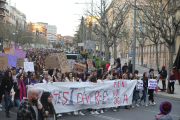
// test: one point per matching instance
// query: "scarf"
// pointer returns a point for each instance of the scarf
(22, 90)
(46, 80)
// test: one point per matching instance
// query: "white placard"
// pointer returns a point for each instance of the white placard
(29, 66)
(139, 85)
(152, 83)
(73, 96)
(112, 61)
(25, 59)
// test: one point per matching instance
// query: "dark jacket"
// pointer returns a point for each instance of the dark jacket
(163, 73)
(16, 90)
(172, 77)
(26, 111)
(6, 85)
(145, 83)
(124, 68)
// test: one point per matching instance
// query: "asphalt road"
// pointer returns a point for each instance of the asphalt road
(137, 113)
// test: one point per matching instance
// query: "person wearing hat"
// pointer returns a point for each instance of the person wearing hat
(165, 109)
(163, 74)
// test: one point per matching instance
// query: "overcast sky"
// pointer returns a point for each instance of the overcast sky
(55, 12)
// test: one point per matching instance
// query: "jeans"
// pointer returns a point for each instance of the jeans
(136, 96)
(151, 95)
(8, 102)
(144, 95)
(164, 84)
(18, 102)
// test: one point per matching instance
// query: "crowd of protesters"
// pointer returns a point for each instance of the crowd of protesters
(28, 107)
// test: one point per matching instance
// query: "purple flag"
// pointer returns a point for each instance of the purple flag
(20, 54)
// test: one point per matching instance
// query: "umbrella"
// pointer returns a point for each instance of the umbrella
(177, 61)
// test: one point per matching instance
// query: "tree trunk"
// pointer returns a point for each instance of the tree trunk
(115, 48)
(106, 52)
(141, 55)
(170, 58)
(157, 59)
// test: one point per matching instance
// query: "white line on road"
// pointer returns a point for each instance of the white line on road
(158, 113)
(106, 117)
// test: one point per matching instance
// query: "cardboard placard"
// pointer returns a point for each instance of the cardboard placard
(79, 68)
(11, 59)
(29, 66)
(52, 62)
(11, 51)
(140, 85)
(64, 65)
(90, 64)
(3, 62)
(20, 62)
(6, 49)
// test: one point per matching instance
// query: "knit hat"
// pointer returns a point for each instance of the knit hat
(165, 107)
(164, 66)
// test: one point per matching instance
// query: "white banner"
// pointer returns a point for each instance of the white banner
(29, 66)
(68, 96)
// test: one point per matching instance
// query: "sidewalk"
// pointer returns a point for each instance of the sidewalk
(141, 69)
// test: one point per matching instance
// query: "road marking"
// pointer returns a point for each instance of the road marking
(158, 113)
(106, 117)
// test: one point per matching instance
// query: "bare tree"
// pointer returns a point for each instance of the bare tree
(166, 21)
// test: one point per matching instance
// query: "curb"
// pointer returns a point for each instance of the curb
(167, 97)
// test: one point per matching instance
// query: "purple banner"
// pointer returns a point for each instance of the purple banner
(20, 54)
(12, 59)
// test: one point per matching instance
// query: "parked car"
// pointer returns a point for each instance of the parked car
(75, 57)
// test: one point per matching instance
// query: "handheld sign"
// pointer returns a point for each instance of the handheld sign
(152, 83)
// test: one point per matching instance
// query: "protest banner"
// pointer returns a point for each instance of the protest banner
(3, 62)
(90, 64)
(64, 65)
(67, 97)
(140, 85)
(20, 62)
(152, 83)
(11, 59)
(71, 64)
(79, 68)
(6, 49)
(29, 66)
(20, 54)
(52, 62)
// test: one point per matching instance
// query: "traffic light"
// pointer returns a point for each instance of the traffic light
(37, 32)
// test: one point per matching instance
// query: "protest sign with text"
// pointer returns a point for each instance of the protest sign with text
(64, 65)
(52, 62)
(90, 64)
(79, 68)
(67, 97)
(29, 66)
(152, 83)
(12, 59)
(20, 62)
(71, 63)
(20, 54)
(140, 85)
(3, 62)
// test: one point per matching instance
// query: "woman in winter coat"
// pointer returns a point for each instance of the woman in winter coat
(20, 90)
(171, 82)
(7, 84)
(145, 85)
(151, 92)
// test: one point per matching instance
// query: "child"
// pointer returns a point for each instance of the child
(165, 109)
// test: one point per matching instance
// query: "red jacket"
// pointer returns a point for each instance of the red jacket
(107, 66)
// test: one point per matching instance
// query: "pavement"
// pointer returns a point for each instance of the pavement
(137, 113)
(141, 69)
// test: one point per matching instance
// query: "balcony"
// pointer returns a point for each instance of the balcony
(2, 7)
(3, 1)
(2, 14)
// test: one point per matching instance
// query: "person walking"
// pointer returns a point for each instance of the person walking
(7, 84)
(30, 108)
(151, 92)
(20, 90)
(145, 86)
(165, 109)
(163, 74)
(46, 101)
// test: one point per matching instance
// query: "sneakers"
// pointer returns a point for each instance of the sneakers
(80, 113)
(132, 106)
(0, 109)
(69, 113)
(102, 111)
(92, 112)
(0, 106)
(75, 113)
(137, 105)
(140, 103)
(150, 103)
(153, 103)
(59, 115)
(96, 113)
(114, 109)
(146, 105)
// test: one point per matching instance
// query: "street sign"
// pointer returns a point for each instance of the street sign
(131, 51)
(61, 43)
(90, 44)
(80, 44)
